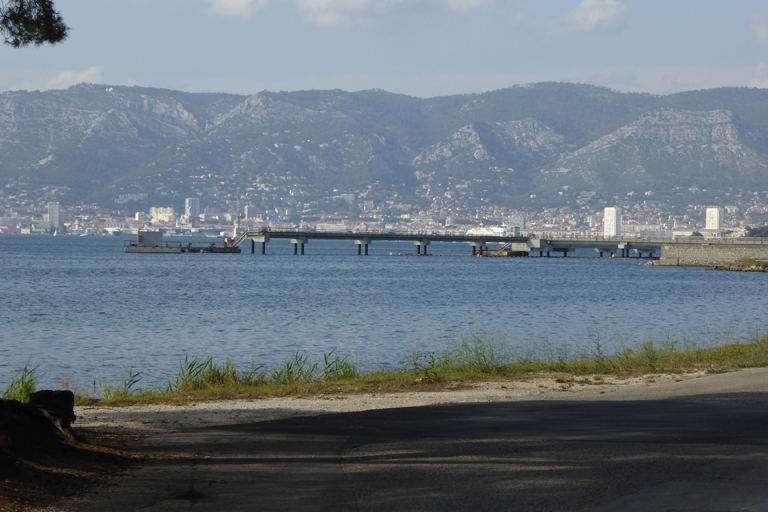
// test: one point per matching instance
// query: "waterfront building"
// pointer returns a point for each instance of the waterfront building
(54, 215)
(714, 218)
(612, 221)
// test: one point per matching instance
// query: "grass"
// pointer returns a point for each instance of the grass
(752, 261)
(23, 384)
(469, 357)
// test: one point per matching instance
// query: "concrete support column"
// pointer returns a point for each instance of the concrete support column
(296, 242)
(420, 244)
(360, 243)
(264, 238)
(477, 247)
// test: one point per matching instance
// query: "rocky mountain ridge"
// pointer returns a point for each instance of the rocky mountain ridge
(97, 142)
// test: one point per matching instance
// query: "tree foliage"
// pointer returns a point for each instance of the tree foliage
(24, 22)
(758, 231)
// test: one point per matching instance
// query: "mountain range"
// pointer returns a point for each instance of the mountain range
(96, 142)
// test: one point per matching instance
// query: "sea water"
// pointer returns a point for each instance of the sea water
(81, 310)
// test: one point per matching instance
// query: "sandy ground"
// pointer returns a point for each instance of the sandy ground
(157, 419)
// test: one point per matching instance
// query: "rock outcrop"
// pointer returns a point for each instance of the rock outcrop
(47, 418)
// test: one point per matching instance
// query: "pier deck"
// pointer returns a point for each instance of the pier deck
(671, 251)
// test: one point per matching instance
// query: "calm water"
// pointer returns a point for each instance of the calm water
(81, 309)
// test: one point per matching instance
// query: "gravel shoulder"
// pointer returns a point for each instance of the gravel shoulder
(147, 420)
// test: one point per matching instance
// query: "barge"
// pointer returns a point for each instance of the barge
(151, 242)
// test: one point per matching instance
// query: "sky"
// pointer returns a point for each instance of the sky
(421, 48)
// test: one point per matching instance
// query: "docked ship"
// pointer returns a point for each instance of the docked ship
(502, 230)
(148, 242)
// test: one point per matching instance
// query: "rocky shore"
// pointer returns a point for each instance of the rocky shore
(737, 266)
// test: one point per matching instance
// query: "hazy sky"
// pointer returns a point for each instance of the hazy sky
(417, 47)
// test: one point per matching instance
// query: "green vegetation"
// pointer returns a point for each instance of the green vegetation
(758, 232)
(473, 356)
(752, 261)
(23, 384)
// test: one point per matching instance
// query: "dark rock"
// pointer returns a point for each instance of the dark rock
(59, 404)
(5, 443)
(23, 425)
(46, 418)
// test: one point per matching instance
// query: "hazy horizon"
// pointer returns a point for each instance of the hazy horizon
(421, 48)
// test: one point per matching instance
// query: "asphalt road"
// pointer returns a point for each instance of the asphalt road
(699, 445)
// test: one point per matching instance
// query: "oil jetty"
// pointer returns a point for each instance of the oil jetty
(151, 242)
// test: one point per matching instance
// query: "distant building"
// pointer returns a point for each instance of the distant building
(141, 217)
(714, 218)
(159, 214)
(612, 221)
(517, 221)
(251, 212)
(54, 215)
(192, 208)
(124, 198)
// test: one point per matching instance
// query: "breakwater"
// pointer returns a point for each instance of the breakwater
(709, 255)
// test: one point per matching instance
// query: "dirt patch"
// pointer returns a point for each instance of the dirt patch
(42, 461)
(36, 475)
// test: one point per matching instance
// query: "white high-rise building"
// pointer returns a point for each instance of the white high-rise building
(714, 218)
(612, 221)
(251, 212)
(54, 215)
(162, 214)
(192, 208)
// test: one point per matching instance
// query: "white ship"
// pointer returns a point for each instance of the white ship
(501, 230)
